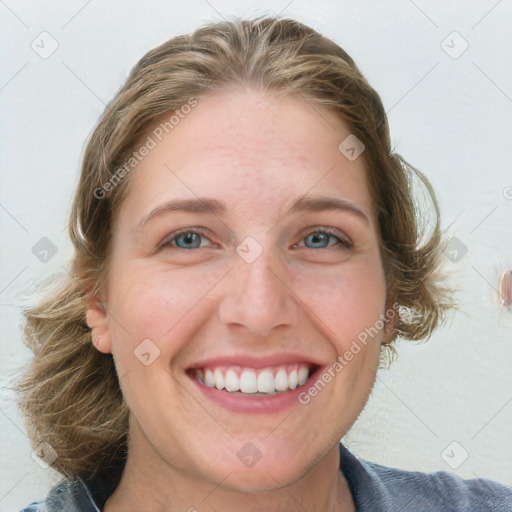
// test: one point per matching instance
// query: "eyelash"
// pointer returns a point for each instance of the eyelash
(323, 230)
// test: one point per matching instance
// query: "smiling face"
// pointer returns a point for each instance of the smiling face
(248, 293)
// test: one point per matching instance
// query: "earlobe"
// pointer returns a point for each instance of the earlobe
(97, 320)
(389, 328)
(102, 343)
(390, 318)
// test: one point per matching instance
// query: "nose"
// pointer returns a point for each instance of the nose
(258, 297)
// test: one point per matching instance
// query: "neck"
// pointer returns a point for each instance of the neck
(149, 483)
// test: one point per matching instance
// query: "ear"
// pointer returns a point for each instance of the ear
(96, 319)
(390, 319)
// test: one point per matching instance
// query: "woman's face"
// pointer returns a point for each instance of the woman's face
(249, 290)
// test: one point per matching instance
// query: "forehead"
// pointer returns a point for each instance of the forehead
(256, 151)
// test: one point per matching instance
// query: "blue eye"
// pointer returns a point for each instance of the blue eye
(191, 239)
(320, 236)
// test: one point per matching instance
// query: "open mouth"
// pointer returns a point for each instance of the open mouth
(256, 382)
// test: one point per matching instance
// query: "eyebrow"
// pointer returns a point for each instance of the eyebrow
(300, 205)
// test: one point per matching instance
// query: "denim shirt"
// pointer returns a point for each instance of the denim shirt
(374, 488)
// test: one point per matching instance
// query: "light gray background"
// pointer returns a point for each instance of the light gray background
(450, 117)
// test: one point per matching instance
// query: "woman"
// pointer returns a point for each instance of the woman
(247, 251)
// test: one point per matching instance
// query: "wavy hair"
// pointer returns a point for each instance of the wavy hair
(70, 394)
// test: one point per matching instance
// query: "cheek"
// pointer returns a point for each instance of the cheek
(347, 300)
(168, 306)
(157, 304)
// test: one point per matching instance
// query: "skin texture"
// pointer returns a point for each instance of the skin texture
(256, 153)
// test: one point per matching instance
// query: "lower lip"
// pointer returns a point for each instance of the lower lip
(256, 404)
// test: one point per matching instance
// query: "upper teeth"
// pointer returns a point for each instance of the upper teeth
(248, 380)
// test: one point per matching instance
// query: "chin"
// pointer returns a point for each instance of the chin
(259, 481)
(263, 476)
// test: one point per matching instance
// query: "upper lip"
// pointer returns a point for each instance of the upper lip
(248, 361)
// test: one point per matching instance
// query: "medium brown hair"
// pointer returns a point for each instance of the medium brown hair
(70, 393)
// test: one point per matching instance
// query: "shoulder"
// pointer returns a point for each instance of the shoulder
(79, 495)
(36, 506)
(401, 490)
(70, 495)
(442, 490)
